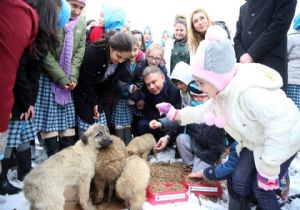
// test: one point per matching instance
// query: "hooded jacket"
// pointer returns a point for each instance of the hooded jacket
(258, 115)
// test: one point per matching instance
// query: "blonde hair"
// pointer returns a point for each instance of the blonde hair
(194, 38)
(155, 46)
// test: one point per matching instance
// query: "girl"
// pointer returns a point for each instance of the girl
(55, 112)
(21, 127)
(122, 116)
(103, 77)
(247, 101)
(177, 50)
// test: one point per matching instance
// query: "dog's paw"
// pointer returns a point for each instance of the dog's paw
(91, 206)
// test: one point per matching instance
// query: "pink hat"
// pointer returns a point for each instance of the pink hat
(215, 59)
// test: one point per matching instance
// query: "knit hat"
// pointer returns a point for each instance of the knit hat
(182, 72)
(215, 59)
(296, 25)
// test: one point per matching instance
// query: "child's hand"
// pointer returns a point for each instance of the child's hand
(168, 110)
(154, 124)
(198, 174)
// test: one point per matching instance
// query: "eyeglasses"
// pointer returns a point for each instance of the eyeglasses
(154, 59)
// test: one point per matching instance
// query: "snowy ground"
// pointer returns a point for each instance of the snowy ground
(18, 202)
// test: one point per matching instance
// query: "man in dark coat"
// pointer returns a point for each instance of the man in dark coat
(261, 33)
(157, 89)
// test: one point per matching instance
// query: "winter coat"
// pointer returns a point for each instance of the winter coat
(261, 31)
(51, 62)
(19, 27)
(207, 142)
(223, 170)
(258, 115)
(27, 85)
(92, 90)
(176, 51)
(293, 53)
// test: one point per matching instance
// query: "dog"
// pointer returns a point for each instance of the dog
(141, 146)
(131, 186)
(110, 163)
(44, 186)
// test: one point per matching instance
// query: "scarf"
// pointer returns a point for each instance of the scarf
(63, 96)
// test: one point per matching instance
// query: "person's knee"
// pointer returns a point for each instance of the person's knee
(182, 139)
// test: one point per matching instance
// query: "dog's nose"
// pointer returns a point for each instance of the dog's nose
(106, 142)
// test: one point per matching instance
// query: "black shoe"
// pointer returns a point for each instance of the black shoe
(7, 188)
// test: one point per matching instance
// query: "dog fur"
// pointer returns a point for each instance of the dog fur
(110, 163)
(141, 145)
(44, 186)
(131, 186)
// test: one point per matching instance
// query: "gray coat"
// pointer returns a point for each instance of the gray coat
(293, 51)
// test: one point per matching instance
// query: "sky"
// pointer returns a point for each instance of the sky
(159, 15)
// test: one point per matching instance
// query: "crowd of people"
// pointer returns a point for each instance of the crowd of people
(197, 90)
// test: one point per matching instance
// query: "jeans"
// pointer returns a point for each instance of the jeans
(243, 184)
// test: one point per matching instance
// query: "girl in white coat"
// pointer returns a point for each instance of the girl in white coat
(246, 100)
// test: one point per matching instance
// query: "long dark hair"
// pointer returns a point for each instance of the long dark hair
(143, 47)
(47, 38)
(117, 40)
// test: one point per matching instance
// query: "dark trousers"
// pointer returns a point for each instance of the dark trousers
(243, 185)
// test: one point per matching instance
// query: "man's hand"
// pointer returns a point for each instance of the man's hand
(154, 124)
(161, 144)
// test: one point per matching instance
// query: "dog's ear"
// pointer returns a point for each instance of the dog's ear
(84, 138)
(130, 152)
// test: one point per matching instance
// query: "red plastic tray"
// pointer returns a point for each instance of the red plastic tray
(167, 196)
(202, 188)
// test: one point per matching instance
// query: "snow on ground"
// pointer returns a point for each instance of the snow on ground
(19, 202)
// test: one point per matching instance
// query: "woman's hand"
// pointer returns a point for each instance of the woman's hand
(30, 113)
(96, 113)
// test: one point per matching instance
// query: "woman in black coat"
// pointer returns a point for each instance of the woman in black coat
(102, 79)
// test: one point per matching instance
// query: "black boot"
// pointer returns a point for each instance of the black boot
(67, 141)
(52, 145)
(5, 186)
(120, 132)
(23, 163)
(127, 135)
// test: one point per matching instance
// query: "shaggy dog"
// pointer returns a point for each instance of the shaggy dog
(110, 163)
(141, 145)
(44, 186)
(131, 186)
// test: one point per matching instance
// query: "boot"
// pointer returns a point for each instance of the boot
(23, 163)
(67, 141)
(120, 132)
(52, 145)
(5, 186)
(127, 135)
(239, 204)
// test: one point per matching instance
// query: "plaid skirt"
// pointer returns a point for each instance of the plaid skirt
(84, 126)
(122, 115)
(51, 116)
(20, 131)
(293, 92)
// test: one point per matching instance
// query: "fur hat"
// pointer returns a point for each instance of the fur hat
(182, 72)
(215, 59)
(296, 25)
